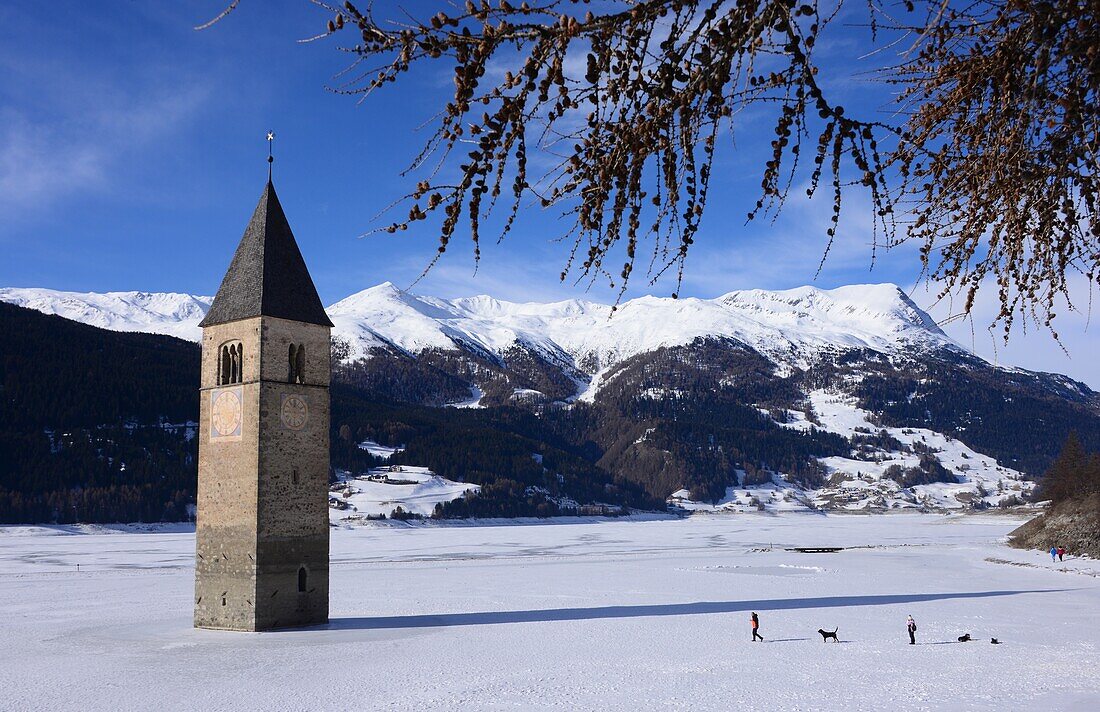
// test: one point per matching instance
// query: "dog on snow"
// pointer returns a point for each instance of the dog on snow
(825, 635)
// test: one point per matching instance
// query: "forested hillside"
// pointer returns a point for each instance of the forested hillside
(525, 467)
(99, 425)
(1020, 417)
(93, 423)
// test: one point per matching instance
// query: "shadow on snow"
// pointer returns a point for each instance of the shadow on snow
(547, 615)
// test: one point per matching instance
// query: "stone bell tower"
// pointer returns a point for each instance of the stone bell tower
(262, 535)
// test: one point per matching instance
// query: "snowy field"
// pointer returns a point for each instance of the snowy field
(414, 489)
(571, 615)
(863, 485)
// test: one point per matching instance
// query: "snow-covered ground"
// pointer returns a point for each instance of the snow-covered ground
(573, 614)
(378, 450)
(778, 496)
(861, 484)
(383, 489)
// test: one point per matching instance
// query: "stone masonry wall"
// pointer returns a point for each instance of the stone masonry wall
(225, 561)
(263, 501)
(293, 522)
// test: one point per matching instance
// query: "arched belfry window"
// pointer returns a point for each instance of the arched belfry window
(230, 363)
(224, 366)
(303, 579)
(296, 364)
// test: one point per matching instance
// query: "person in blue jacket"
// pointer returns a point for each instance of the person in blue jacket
(1053, 554)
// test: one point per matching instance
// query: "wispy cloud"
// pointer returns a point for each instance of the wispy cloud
(789, 252)
(71, 120)
(39, 163)
(44, 159)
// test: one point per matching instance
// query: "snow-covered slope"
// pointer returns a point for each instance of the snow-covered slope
(792, 327)
(863, 484)
(416, 490)
(920, 422)
(152, 312)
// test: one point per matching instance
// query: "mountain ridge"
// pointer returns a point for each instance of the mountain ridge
(582, 340)
(791, 325)
(169, 313)
(800, 414)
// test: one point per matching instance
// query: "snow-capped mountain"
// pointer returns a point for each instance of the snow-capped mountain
(850, 397)
(793, 327)
(151, 312)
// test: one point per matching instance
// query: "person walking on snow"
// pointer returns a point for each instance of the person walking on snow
(1053, 554)
(756, 628)
(1061, 552)
(911, 626)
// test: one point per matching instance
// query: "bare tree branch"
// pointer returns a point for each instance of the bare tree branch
(989, 159)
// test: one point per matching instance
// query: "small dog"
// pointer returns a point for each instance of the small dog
(964, 638)
(994, 641)
(825, 635)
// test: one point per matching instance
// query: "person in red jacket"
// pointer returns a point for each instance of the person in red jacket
(1061, 552)
(756, 627)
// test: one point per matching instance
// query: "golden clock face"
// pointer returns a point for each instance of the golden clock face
(225, 414)
(295, 412)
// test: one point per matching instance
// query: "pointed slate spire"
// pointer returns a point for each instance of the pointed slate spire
(267, 276)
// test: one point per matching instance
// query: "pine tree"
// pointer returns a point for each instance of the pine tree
(1067, 477)
(1092, 475)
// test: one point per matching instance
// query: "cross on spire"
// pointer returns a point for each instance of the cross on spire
(270, 157)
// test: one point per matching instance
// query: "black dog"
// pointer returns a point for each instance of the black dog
(964, 638)
(825, 635)
(994, 641)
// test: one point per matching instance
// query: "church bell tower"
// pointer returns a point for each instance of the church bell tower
(262, 533)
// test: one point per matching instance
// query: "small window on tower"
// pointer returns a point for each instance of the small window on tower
(303, 579)
(234, 364)
(296, 364)
(294, 475)
(223, 366)
(230, 364)
(300, 364)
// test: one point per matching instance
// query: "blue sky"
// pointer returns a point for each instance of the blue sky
(132, 153)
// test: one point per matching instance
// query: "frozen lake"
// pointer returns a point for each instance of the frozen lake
(630, 615)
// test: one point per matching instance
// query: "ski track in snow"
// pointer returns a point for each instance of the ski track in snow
(571, 614)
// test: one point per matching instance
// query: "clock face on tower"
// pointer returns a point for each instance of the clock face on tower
(295, 412)
(226, 414)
